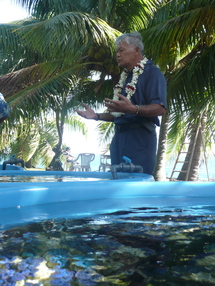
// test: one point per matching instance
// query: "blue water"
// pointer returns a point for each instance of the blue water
(148, 245)
(139, 247)
(202, 169)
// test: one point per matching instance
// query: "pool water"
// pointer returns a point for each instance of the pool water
(33, 179)
(142, 246)
(13, 176)
(130, 231)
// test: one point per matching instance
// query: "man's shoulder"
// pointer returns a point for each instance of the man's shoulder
(151, 68)
(150, 65)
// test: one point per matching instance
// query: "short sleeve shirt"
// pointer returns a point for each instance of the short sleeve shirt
(150, 88)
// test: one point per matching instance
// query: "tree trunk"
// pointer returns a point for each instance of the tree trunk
(28, 164)
(56, 164)
(160, 165)
(195, 148)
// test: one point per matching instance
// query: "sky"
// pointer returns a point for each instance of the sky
(84, 144)
(9, 11)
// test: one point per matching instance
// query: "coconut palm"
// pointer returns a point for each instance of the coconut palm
(182, 33)
(58, 48)
(60, 37)
(34, 142)
(179, 37)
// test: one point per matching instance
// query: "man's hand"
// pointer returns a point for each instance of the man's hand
(123, 105)
(88, 113)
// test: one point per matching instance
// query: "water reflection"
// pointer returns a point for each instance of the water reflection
(149, 246)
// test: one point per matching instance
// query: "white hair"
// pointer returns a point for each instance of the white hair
(132, 39)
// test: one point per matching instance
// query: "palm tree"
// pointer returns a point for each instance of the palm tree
(34, 143)
(159, 172)
(180, 37)
(57, 49)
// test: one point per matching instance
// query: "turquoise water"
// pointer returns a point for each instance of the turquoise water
(167, 240)
(202, 169)
(144, 246)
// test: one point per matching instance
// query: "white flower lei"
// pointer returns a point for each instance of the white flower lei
(130, 87)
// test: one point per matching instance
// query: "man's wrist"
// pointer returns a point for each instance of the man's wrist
(137, 109)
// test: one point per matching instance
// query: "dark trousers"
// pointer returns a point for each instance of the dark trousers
(137, 144)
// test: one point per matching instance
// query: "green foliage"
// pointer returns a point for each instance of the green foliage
(30, 141)
(50, 56)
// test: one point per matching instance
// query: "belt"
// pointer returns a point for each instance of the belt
(149, 125)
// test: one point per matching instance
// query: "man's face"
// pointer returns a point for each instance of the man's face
(126, 55)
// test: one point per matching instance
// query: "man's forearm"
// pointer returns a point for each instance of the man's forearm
(105, 117)
(150, 110)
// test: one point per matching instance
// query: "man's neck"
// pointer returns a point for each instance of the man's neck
(130, 68)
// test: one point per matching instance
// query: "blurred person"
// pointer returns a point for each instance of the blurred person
(69, 157)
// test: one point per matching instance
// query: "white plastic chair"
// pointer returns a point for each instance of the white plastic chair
(104, 163)
(85, 159)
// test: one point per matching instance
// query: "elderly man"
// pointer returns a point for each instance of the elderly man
(139, 98)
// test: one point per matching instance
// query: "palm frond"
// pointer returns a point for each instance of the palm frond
(75, 123)
(67, 35)
(106, 131)
(178, 25)
(194, 83)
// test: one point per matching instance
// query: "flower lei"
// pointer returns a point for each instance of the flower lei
(130, 87)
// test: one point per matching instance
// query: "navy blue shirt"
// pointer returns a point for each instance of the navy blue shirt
(150, 88)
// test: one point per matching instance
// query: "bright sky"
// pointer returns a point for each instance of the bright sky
(82, 144)
(10, 11)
